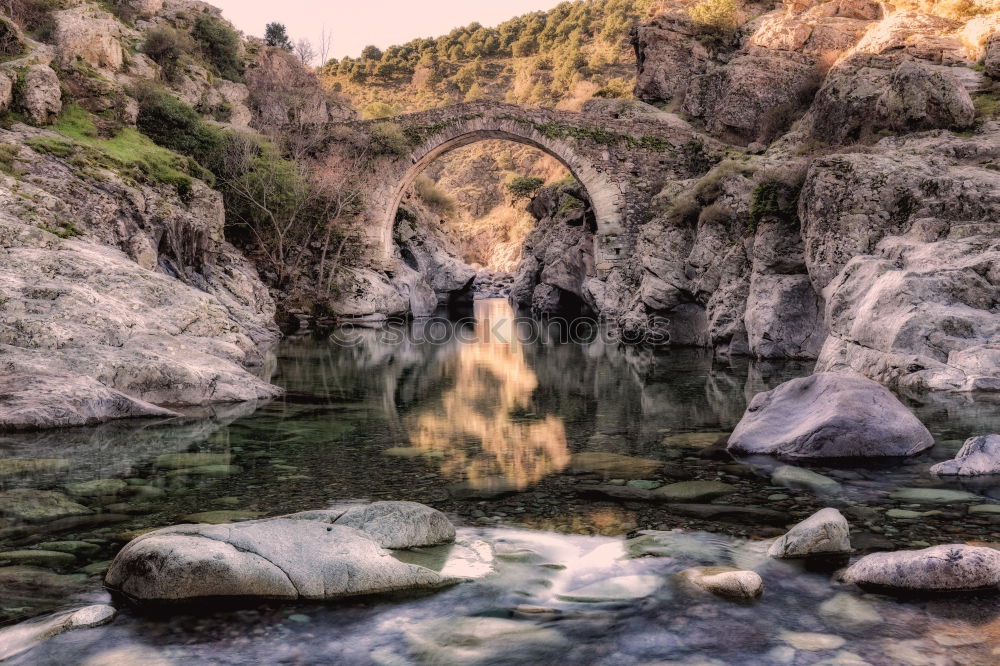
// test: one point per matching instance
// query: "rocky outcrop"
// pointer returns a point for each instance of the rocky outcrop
(124, 289)
(33, 402)
(979, 456)
(939, 568)
(829, 415)
(558, 257)
(87, 34)
(311, 555)
(41, 98)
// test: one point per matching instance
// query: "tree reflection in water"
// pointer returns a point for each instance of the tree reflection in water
(485, 424)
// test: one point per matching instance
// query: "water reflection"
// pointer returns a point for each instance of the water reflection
(486, 422)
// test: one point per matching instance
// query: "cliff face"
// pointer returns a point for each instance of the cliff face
(119, 295)
(839, 240)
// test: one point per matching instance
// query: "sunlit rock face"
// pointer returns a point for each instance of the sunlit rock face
(483, 422)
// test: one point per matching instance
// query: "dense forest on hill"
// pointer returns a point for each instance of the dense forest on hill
(556, 58)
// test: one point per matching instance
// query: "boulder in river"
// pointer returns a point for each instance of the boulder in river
(829, 415)
(979, 456)
(825, 533)
(302, 556)
(725, 582)
(954, 567)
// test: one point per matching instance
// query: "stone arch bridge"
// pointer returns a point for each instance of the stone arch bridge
(621, 161)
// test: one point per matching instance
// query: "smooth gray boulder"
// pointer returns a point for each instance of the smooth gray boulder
(949, 567)
(826, 532)
(979, 456)
(41, 96)
(268, 559)
(322, 554)
(829, 415)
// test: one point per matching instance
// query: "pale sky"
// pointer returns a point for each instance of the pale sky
(357, 23)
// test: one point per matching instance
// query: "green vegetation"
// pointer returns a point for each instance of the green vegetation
(389, 137)
(173, 124)
(433, 196)
(720, 17)
(10, 44)
(276, 35)
(988, 103)
(166, 46)
(562, 55)
(8, 158)
(35, 17)
(377, 110)
(127, 152)
(220, 44)
(523, 187)
(774, 200)
(64, 229)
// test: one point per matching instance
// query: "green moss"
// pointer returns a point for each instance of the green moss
(987, 104)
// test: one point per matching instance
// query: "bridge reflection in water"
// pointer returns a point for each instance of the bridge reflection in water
(484, 426)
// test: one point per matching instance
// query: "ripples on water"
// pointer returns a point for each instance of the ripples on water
(399, 417)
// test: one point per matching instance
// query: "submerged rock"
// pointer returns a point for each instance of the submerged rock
(933, 496)
(848, 613)
(693, 491)
(829, 415)
(484, 640)
(725, 582)
(804, 479)
(978, 456)
(35, 506)
(939, 568)
(22, 637)
(308, 555)
(826, 532)
(613, 465)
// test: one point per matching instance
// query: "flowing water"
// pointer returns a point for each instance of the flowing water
(486, 420)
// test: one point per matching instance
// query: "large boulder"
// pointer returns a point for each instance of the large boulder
(87, 34)
(978, 456)
(6, 91)
(309, 555)
(41, 97)
(922, 96)
(825, 533)
(829, 415)
(939, 568)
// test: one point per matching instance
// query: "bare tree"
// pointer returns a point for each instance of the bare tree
(305, 52)
(295, 209)
(325, 44)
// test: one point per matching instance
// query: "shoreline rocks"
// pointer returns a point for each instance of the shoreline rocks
(828, 415)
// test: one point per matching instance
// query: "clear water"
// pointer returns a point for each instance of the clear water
(447, 416)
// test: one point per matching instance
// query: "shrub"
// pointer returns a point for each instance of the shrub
(10, 43)
(175, 125)
(378, 110)
(220, 44)
(523, 187)
(35, 17)
(8, 158)
(720, 17)
(276, 35)
(165, 46)
(389, 138)
(436, 198)
(615, 89)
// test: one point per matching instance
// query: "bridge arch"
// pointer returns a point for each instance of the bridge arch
(605, 196)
